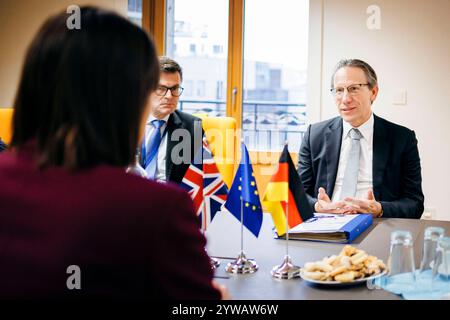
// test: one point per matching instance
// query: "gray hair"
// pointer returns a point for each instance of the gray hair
(169, 65)
(355, 63)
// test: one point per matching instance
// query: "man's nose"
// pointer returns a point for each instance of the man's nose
(346, 97)
(169, 94)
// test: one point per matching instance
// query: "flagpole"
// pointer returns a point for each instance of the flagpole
(241, 264)
(214, 262)
(242, 225)
(287, 224)
(286, 270)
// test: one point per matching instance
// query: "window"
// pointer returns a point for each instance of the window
(262, 66)
(194, 34)
(217, 49)
(131, 5)
(134, 12)
(188, 91)
(201, 88)
(219, 90)
(252, 58)
(274, 100)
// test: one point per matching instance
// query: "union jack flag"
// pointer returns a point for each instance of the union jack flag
(205, 186)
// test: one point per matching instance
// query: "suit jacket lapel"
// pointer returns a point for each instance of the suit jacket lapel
(380, 154)
(173, 123)
(333, 139)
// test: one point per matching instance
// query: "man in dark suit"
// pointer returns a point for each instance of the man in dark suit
(167, 156)
(358, 162)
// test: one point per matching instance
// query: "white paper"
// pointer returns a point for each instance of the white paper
(323, 222)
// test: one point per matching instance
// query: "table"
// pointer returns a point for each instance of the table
(224, 241)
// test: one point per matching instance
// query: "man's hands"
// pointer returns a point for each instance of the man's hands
(325, 205)
(368, 205)
(349, 205)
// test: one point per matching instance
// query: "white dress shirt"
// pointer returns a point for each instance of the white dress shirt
(365, 160)
(161, 164)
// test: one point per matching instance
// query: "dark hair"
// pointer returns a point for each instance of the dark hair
(83, 91)
(356, 63)
(169, 65)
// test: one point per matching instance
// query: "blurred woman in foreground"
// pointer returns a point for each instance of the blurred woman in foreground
(72, 222)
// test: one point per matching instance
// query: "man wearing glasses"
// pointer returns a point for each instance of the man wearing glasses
(359, 162)
(170, 142)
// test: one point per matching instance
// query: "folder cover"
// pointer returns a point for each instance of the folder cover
(331, 227)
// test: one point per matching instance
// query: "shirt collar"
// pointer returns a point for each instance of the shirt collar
(366, 128)
(151, 118)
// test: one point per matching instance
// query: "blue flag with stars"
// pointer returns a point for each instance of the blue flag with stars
(244, 185)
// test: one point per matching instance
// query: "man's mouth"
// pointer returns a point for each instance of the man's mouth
(347, 109)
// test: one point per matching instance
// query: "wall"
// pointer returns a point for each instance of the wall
(409, 53)
(19, 21)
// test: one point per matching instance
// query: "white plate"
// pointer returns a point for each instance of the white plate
(341, 284)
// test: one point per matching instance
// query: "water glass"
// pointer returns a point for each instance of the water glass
(430, 241)
(441, 267)
(424, 277)
(401, 267)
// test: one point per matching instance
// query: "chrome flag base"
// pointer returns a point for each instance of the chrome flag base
(242, 265)
(286, 270)
(215, 263)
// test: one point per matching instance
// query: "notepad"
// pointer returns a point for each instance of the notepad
(331, 227)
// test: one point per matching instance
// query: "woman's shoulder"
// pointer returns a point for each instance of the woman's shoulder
(143, 200)
(142, 190)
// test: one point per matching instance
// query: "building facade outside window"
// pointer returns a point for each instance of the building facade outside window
(134, 12)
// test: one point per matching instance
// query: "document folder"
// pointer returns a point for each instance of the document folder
(331, 227)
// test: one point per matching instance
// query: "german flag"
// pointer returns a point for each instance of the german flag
(285, 191)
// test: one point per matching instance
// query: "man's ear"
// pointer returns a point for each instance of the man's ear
(374, 92)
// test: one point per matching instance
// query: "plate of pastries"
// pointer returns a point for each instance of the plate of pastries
(350, 266)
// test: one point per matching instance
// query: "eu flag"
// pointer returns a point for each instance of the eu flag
(244, 185)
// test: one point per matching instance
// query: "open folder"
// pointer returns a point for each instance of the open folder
(331, 227)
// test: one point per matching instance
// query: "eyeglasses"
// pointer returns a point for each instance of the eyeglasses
(175, 90)
(352, 90)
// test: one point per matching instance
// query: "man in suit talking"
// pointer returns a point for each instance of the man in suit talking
(358, 162)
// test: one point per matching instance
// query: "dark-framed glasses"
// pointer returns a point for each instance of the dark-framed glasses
(175, 90)
(352, 90)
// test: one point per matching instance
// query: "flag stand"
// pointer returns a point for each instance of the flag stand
(242, 264)
(286, 270)
(214, 262)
